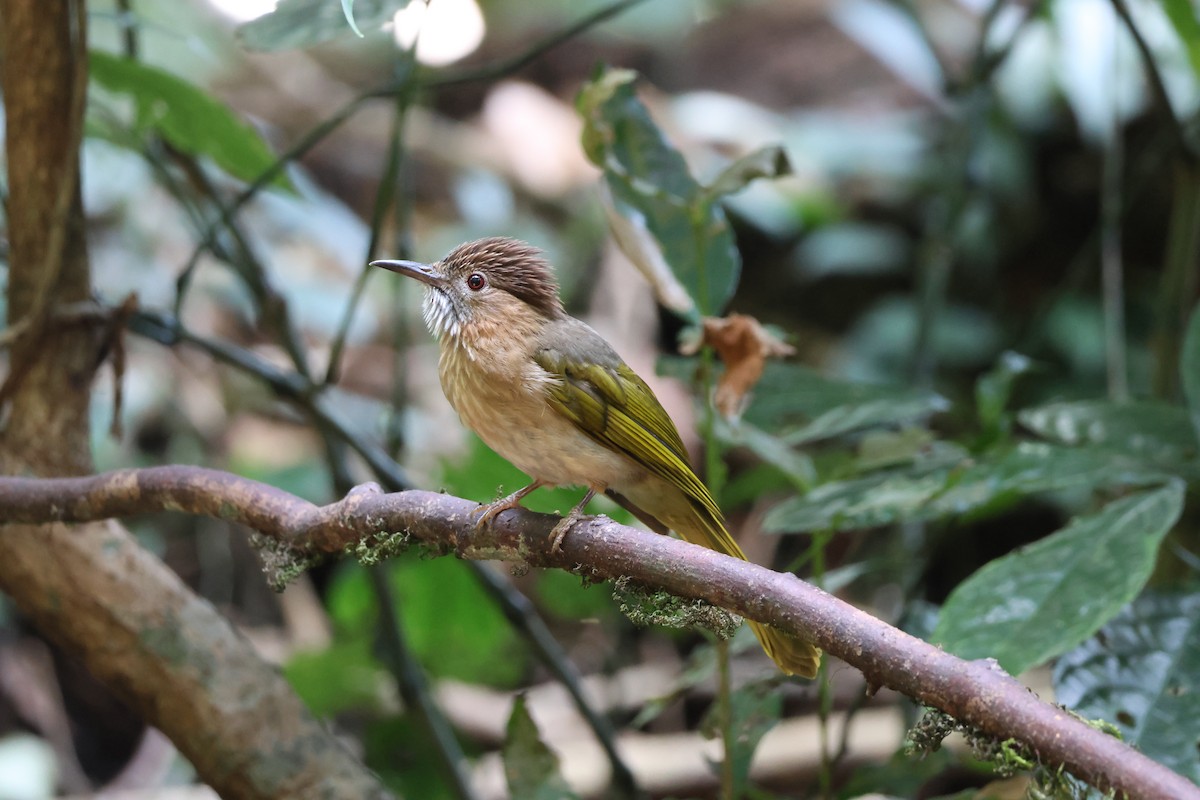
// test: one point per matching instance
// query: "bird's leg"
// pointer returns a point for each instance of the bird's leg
(559, 531)
(485, 513)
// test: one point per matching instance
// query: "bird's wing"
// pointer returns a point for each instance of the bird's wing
(615, 407)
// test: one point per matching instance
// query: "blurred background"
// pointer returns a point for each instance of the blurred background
(984, 244)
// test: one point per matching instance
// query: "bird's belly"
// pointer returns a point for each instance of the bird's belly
(523, 428)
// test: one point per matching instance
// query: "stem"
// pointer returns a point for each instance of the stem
(1111, 266)
(414, 687)
(724, 702)
(1178, 286)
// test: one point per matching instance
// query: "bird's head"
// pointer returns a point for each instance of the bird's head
(491, 283)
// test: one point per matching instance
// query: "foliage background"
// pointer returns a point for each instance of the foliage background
(984, 252)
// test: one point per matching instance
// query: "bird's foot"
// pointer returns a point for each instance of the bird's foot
(559, 531)
(487, 512)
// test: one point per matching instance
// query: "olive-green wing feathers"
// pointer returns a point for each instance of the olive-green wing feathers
(612, 405)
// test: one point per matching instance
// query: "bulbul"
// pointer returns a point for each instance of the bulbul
(547, 393)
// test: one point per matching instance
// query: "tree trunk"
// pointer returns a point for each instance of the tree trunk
(90, 588)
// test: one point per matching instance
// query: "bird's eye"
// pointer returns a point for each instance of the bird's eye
(475, 282)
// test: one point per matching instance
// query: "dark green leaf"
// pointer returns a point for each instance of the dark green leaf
(794, 464)
(1142, 673)
(788, 394)
(1042, 600)
(754, 709)
(1189, 368)
(1183, 17)
(994, 388)
(184, 115)
(652, 189)
(300, 23)
(530, 768)
(766, 162)
(934, 489)
(870, 414)
(1157, 430)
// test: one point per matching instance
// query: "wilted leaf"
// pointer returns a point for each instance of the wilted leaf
(300, 23)
(184, 115)
(744, 347)
(651, 186)
(1142, 673)
(1040, 601)
(530, 768)
(1189, 368)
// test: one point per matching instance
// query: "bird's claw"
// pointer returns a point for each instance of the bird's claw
(560, 530)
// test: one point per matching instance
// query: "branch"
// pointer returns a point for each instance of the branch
(973, 692)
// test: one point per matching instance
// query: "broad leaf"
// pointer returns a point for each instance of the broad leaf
(932, 488)
(808, 406)
(754, 710)
(185, 116)
(993, 389)
(530, 768)
(1183, 18)
(301, 23)
(1156, 430)
(1142, 673)
(1040, 601)
(651, 187)
(871, 414)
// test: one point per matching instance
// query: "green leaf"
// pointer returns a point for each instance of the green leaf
(765, 162)
(652, 189)
(1044, 599)
(185, 116)
(994, 388)
(870, 414)
(788, 394)
(342, 677)
(1158, 431)
(451, 623)
(530, 767)
(301, 23)
(1142, 673)
(754, 709)
(1183, 17)
(795, 465)
(1189, 368)
(348, 11)
(935, 488)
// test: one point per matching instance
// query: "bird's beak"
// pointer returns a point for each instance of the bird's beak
(425, 273)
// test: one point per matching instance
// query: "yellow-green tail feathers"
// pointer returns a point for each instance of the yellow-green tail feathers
(794, 656)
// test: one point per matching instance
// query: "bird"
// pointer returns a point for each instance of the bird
(550, 395)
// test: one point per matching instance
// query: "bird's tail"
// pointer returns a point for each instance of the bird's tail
(695, 523)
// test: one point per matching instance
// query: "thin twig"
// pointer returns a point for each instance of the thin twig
(974, 692)
(508, 66)
(1158, 86)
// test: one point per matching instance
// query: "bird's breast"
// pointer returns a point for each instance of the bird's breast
(503, 398)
